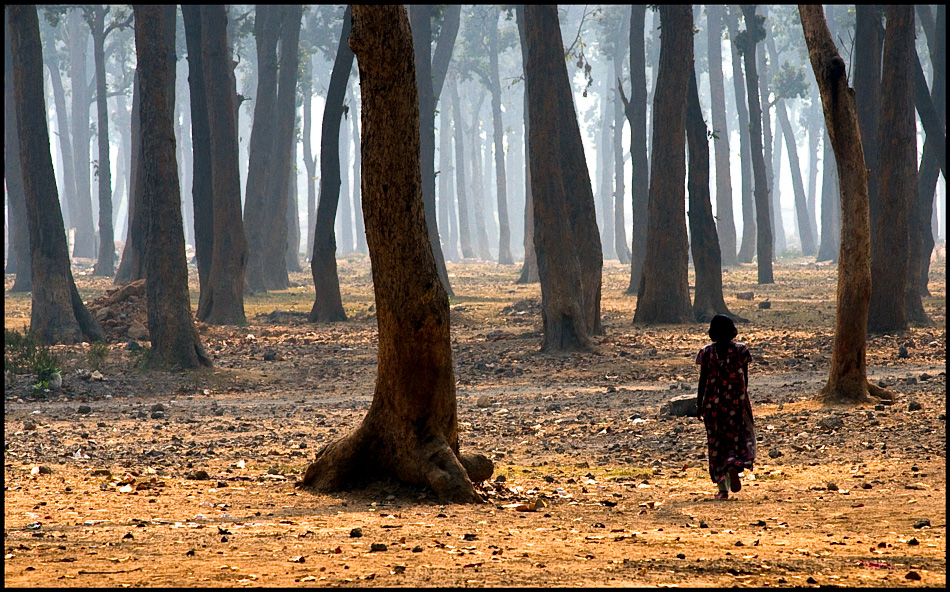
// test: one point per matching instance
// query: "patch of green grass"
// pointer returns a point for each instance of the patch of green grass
(97, 354)
(23, 354)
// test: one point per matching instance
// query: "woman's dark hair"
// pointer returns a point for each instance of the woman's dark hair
(721, 328)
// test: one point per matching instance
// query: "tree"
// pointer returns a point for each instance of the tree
(868, 35)
(18, 260)
(725, 222)
(221, 301)
(81, 207)
(429, 68)
(57, 313)
(636, 112)
(847, 377)
(704, 242)
(411, 429)
(746, 42)
(465, 240)
(748, 238)
(174, 338)
(501, 184)
(566, 240)
(663, 296)
(328, 304)
(830, 238)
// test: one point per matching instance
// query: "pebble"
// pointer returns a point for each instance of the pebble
(157, 407)
(378, 547)
(902, 353)
(914, 406)
(922, 523)
(356, 532)
(775, 453)
(29, 425)
(84, 409)
(483, 401)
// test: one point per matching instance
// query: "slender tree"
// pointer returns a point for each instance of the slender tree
(704, 241)
(328, 304)
(18, 260)
(725, 220)
(636, 112)
(221, 301)
(81, 206)
(465, 240)
(529, 269)
(897, 141)
(410, 432)
(450, 249)
(663, 296)
(748, 238)
(57, 313)
(747, 42)
(868, 38)
(498, 133)
(847, 377)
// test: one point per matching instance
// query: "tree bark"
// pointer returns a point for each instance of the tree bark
(57, 313)
(410, 432)
(663, 296)
(897, 139)
(868, 36)
(725, 220)
(482, 250)
(636, 112)
(529, 269)
(201, 190)
(18, 259)
(847, 377)
(748, 40)
(309, 161)
(501, 183)
(450, 250)
(81, 206)
(175, 341)
(748, 238)
(221, 301)
(357, 176)
(619, 237)
(328, 303)
(420, 16)
(567, 243)
(132, 263)
(62, 124)
(465, 240)
(704, 241)
(105, 262)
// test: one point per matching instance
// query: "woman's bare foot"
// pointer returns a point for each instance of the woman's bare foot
(734, 483)
(722, 495)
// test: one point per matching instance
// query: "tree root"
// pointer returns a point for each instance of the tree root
(880, 393)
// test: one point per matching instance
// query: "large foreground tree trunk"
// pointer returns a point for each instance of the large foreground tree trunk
(57, 314)
(175, 341)
(847, 377)
(567, 243)
(704, 242)
(725, 219)
(222, 297)
(410, 432)
(897, 141)
(663, 296)
(328, 303)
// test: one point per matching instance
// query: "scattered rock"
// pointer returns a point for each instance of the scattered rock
(775, 453)
(902, 353)
(483, 401)
(745, 295)
(765, 304)
(912, 575)
(157, 415)
(137, 331)
(913, 542)
(811, 580)
(377, 547)
(681, 406)
(28, 425)
(157, 407)
(922, 523)
(831, 486)
(831, 423)
(84, 410)
(55, 380)
(198, 475)
(97, 376)
(270, 355)
(914, 406)
(134, 346)
(356, 532)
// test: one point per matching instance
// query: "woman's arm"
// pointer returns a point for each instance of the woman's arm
(701, 391)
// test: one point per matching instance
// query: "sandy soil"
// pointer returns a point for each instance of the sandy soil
(187, 478)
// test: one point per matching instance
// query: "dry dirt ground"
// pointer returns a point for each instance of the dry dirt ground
(153, 478)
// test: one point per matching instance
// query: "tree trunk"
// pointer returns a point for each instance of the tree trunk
(175, 341)
(482, 250)
(309, 161)
(344, 219)
(815, 130)
(772, 148)
(605, 177)
(105, 263)
(567, 243)
(62, 125)
(619, 223)
(261, 159)
(357, 176)
(450, 249)
(410, 432)
(897, 139)
(847, 377)
(529, 270)
(747, 42)
(57, 313)
(420, 16)
(929, 161)
(201, 190)
(328, 304)
(293, 212)
(704, 241)
(132, 263)
(221, 301)
(663, 296)
(501, 184)
(636, 112)
(81, 206)
(465, 240)
(747, 242)
(830, 205)
(868, 36)
(18, 259)
(779, 242)
(725, 221)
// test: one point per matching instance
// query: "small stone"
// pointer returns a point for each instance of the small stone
(157, 407)
(356, 532)
(84, 409)
(902, 353)
(912, 575)
(831, 486)
(483, 401)
(500, 479)
(913, 542)
(199, 475)
(128, 535)
(55, 380)
(469, 537)
(914, 406)
(224, 539)
(417, 549)
(549, 479)
(270, 355)
(157, 415)
(775, 453)
(922, 523)
(377, 547)
(97, 376)
(879, 407)
(745, 295)
(28, 425)
(221, 484)
(133, 346)
(811, 580)
(765, 304)
(680, 556)
(681, 406)
(137, 331)
(831, 423)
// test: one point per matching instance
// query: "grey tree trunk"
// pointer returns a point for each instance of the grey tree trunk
(748, 238)
(465, 240)
(636, 112)
(498, 127)
(18, 259)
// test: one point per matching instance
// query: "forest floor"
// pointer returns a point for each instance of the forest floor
(149, 478)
